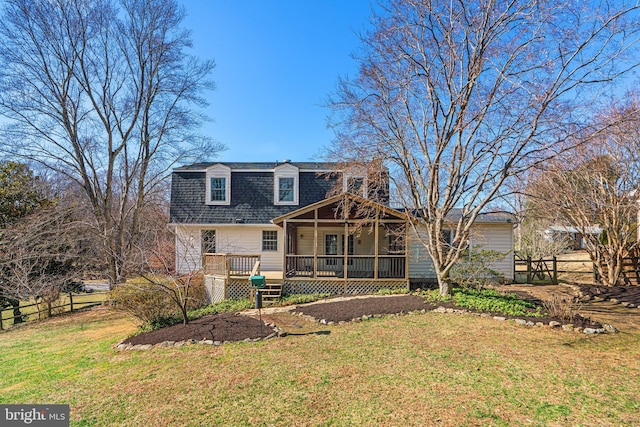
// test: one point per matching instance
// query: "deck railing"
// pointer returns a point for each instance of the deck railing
(358, 266)
(229, 264)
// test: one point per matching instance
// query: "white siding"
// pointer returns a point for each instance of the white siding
(497, 237)
(236, 239)
(188, 249)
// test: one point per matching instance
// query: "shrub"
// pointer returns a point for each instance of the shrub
(145, 301)
(473, 270)
(224, 306)
(562, 307)
(294, 299)
(487, 300)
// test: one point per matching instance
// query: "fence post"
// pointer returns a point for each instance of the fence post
(1, 328)
(555, 270)
(529, 278)
(71, 301)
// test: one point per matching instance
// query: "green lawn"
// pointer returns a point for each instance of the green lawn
(419, 369)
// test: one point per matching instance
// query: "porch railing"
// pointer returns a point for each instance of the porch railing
(229, 264)
(358, 266)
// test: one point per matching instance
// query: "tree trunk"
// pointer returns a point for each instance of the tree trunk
(444, 283)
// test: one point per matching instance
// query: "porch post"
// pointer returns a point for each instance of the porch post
(285, 249)
(345, 253)
(376, 239)
(315, 243)
(345, 242)
(406, 251)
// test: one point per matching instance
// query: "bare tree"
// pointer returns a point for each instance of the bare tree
(160, 291)
(458, 96)
(103, 92)
(40, 256)
(597, 185)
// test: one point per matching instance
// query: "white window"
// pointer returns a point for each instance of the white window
(286, 189)
(355, 185)
(218, 186)
(285, 185)
(269, 240)
(218, 189)
(208, 238)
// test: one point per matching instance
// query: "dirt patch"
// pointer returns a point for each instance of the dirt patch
(228, 327)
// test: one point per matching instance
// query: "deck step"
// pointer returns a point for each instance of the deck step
(272, 292)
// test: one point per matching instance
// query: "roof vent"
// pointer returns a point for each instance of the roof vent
(239, 221)
(286, 161)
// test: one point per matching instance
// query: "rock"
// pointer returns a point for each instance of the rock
(568, 327)
(206, 342)
(217, 343)
(530, 323)
(499, 318)
(179, 344)
(440, 310)
(590, 331)
(539, 324)
(555, 324)
(377, 316)
(167, 343)
(484, 314)
(610, 328)
(614, 300)
(597, 298)
(578, 329)
(627, 304)
(191, 341)
(268, 337)
(449, 310)
(520, 322)
(122, 346)
(365, 317)
(143, 347)
(323, 321)
(330, 323)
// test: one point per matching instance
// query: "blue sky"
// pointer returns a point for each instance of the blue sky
(276, 62)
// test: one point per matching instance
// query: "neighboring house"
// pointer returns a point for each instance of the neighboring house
(227, 216)
(573, 235)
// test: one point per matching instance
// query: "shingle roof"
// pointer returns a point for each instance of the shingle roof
(320, 166)
(251, 197)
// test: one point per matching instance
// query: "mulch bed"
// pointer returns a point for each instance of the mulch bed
(231, 327)
(342, 311)
(220, 327)
(630, 294)
(346, 310)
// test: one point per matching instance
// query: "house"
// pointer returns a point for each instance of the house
(303, 226)
(574, 236)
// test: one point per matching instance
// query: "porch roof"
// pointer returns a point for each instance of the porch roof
(335, 199)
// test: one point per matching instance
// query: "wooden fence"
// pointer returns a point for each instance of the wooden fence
(56, 308)
(551, 270)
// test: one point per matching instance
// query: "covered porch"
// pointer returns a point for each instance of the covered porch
(345, 244)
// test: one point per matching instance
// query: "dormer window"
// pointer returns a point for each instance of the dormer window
(285, 189)
(285, 185)
(218, 189)
(218, 186)
(355, 185)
